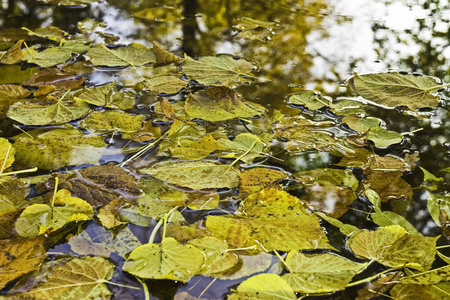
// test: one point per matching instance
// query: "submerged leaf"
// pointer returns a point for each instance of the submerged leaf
(111, 120)
(58, 148)
(395, 89)
(329, 272)
(38, 218)
(15, 74)
(133, 54)
(13, 55)
(195, 174)
(256, 179)
(61, 112)
(82, 278)
(217, 70)
(218, 103)
(310, 99)
(20, 256)
(245, 146)
(168, 260)
(264, 286)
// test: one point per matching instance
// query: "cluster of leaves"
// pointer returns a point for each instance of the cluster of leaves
(200, 154)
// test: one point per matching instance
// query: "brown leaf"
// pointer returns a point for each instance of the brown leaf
(56, 78)
(163, 56)
(389, 185)
(330, 199)
(256, 179)
(379, 286)
(97, 185)
(20, 256)
(13, 55)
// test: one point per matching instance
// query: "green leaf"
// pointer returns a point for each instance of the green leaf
(264, 286)
(382, 137)
(310, 99)
(38, 218)
(167, 84)
(46, 58)
(81, 278)
(57, 148)
(219, 103)
(427, 176)
(348, 106)
(20, 256)
(428, 278)
(133, 54)
(74, 46)
(337, 177)
(394, 247)
(217, 70)
(13, 55)
(50, 32)
(61, 112)
(168, 260)
(6, 154)
(438, 204)
(319, 273)
(180, 132)
(111, 120)
(361, 125)
(197, 149)
(107, 96)
(195, 174)
(15, 74)
(394, 89)
(245, 146)
(272, 218)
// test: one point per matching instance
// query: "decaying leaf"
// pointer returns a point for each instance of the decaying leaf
(98, 185)
(217, 70)
(13, 55)
(163, 56)
(195, 174)
(218, 103)
(395, 89)
(20, 256)
(272, 218)
(82, 278)
(389, 185)
(256, 179)
(56, 78)
(168, 260)
(195, 149)
(245, 146)
(50, 150)
(6, 154)
(167, 84)
(111, 120)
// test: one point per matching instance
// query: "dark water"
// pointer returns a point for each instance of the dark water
(313, 45)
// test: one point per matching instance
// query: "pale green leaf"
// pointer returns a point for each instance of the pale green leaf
(79, 278)
(337, 177)
(46, 58)
(168, 260)
(167, 84)
(61, 112)
(246, 146)
(428, 278)
(437, 203)
(6, 154)
(38, 218)
(394, 247)
(108, 96)
(264, 286)
(195, 149)
(219, 103)
(428, 176)
(310, 99)
(395, 89)
(346, 229)
(382, 137)
(74, 46)
(319, 273)
(217, 70)
(180, 132)
(133, 54)
(52, 33)
(361, 125)
(195, 174)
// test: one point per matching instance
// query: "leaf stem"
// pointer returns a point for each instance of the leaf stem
(122, 285)
(5, 159)
(142, 150)
(145, 287)
(155, 230)
(54, 196)
(368, 279)
(245, 153)
(21, 171)
(282, 260)
(411, 132)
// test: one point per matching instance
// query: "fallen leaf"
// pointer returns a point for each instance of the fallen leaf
(382, 137)
(56, 78)
(312, 100)
(108, 96)
(133, 54)
(163, 56)
(164, 84)
(217, 70)
(111, 120)
(218, 103)
(47, 57)
(245, 146)
(256, 179)
(263, 286)
(13, 55)
(195, 174)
